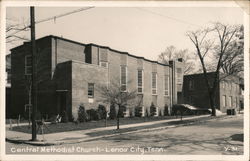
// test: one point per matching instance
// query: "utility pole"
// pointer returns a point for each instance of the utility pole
(34, 92)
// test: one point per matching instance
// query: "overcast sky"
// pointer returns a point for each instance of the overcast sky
(140, 31)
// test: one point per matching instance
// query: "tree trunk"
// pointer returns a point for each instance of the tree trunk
(118, 122)
(211, 99)
(117, 117)
(181, 114)
(106, 120)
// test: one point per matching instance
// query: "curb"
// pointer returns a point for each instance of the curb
(36, 143)
(150, 129)
(41, 143)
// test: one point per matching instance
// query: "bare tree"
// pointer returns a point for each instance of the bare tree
(233, 60)
(113, 94)
(213, 41)
(13, 30)
(172, 53)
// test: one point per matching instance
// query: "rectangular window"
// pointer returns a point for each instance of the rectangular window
(230, 101)
(166, 85)
(140, 81)
(103, 57)
(154, 83)
(28, 65)
(90, 90)
(191, 84)
(179, 75)
(123, 78)
(224, 101)
(236, 103)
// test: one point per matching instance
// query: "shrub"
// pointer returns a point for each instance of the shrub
(138, 111)
(160, 114)
(102, 111)
(112, 113)
(130, 113)
(73, 119)
(93, 114)
(166, 113)
(82, 115)
(152, 109)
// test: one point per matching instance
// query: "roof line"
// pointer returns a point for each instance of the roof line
(106, 47)
(198, 74)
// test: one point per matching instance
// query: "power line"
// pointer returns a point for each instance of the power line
(168, 17)
(54, 18)
(64, 14)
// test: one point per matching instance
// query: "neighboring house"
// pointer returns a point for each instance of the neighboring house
(70, 72)
(7, 84)
(228, 94)
(8, 70)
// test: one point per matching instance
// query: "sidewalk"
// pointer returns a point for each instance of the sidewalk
(97, 133)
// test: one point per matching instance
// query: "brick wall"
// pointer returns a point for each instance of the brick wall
(18, 89)
(62, 71)
(82, 74)
(63, 86)
(230, 87)
(198, 95)
(64, 50)
(20, 82)
(117, 59)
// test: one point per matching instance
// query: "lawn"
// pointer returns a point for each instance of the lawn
(70, 126)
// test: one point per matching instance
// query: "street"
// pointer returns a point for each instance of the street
(214, 137)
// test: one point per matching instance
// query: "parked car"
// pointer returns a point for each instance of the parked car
(185, 109)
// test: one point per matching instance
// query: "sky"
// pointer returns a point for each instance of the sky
(139, 31)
